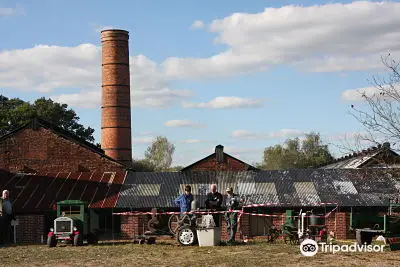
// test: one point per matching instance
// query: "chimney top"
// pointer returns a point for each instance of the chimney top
(221, 147)
(219, 152)
(111, 34)
(115, 30)
(386, 145)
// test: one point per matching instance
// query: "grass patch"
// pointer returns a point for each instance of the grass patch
(165, 253)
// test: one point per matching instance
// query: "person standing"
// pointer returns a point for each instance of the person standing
(6, 214)
(185, 200)
(214, 201)
(232, 204)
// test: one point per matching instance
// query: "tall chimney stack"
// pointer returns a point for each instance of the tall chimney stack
(116, 97)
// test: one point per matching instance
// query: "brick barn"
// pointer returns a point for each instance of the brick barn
(357, 190)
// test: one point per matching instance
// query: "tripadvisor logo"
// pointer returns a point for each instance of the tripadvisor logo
(309, 248)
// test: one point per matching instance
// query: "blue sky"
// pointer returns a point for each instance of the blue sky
(245, 74)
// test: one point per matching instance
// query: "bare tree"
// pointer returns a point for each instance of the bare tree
(381, 118)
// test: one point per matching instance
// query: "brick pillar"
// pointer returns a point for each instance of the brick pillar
(133, 225)
(243, 227)
(127, 227)
(339, 223)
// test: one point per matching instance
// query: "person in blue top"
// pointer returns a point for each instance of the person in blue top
(185, 200)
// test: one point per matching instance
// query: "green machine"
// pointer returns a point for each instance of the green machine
(370, 224)
(72, 224)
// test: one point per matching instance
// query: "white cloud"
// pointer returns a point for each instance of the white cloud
(357, 94)
(197, 24)
(227, 102)
(283, 133)
(183, 123)
(143, 140)
(86, 99)
(47, 69)
(9, 11)
(320, 38)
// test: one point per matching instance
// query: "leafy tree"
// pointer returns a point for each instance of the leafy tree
(15, 113)
(297, 154)
(175, 169)
(160, 153)
(143, 165)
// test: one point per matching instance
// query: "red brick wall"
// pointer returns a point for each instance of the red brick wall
(211, 164)
(44, 151)
(242, 229)
(339, 223)
(133, 225)
(30, 229)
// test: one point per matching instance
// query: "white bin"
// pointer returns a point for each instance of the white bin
(209, 237)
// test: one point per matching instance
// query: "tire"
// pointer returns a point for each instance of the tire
(51, 241)
(363, 237)
(187, 236)
(92, 239)
(78, 240)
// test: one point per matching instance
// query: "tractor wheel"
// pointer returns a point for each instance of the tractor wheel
(187, 236)
(78, 240)
(92, 239)
(364, 237)
(175, 222)
(51, 241)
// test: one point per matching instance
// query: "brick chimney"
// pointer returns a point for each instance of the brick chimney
(219, 153)
(116, 98)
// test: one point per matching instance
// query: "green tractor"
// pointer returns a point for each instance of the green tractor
(72, 224)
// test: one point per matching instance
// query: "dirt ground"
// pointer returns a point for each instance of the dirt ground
(255, 253)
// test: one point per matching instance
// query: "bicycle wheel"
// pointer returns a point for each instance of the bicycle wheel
(287, 239)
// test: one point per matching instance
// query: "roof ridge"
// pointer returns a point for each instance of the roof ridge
(363, 152)
(37, 121)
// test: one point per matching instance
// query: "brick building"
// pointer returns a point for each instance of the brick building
(219, 161)
(308, 189)
(40, 147)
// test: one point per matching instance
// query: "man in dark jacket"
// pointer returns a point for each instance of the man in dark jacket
(214, 198)
(214, 201)
(6, 215)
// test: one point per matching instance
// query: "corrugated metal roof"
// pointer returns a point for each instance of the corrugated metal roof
(293, 188)
(134, 190)
(35, 193)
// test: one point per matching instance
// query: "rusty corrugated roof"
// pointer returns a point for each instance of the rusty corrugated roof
(35, 193)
